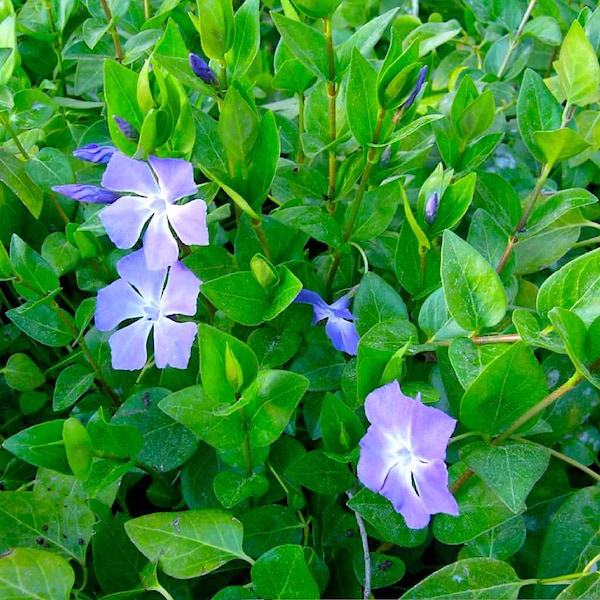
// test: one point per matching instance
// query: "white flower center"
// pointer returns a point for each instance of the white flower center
(151, 311)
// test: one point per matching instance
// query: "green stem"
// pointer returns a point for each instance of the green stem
(262, 238)
(300, 154)
(331, 95)
(224, 83)
(561, 456)
(57, 45)
(560, 579)
(146, 9)
(515, 41)
(13, 136)
(113, 30)
(481, 340)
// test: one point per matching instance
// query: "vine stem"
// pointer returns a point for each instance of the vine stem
(57, 44)
(360, 192)
(365, 545)
(13, 136)
(113, 30)
(512, 45)
(480, 340)
(331, 96)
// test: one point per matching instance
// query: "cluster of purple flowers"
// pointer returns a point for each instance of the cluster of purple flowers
(154, 285)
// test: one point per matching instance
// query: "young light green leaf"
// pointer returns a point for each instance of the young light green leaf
(246, 41)
(189, 543)
(474, 293)
(559, 144)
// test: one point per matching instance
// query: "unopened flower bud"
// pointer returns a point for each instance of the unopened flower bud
(94, 153)
(127, 129)
(431, 208)
(233, 369)
(263, 271)
(78, 447)
(420, 81)
(86, 193)
(202, 70)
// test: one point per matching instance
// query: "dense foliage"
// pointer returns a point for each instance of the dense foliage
(313, 312)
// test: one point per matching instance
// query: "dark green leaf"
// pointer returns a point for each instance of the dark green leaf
(361, 99)
(319, 473)
(70, 385)
(21, 373)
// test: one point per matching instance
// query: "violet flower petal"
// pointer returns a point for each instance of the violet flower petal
(189, 222)
(128, 346)
(321, 309)
(181, 292)
(431, 208)
(160, 247)
(439, 427)
(84, 192)
(343, 335)
(124, 174)
(431, 480)
(413, 95)
(175, 178)
(124, 219)
(94, 153)
(132, 268)
(173, 343)
(375, 460)
(117, 302)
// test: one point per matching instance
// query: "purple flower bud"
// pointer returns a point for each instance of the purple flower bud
(127, 129)
(431, 208)
(420, 81)
(94, 153)
(201, 69)
(86, 193)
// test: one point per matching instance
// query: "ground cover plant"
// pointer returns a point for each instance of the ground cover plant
(301, 299)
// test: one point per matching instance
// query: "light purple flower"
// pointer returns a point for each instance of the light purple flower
(339, 327)
(402, 455)
(151, 199)
(86, 193)
(95, 153)
(431, 207)
(142, 294)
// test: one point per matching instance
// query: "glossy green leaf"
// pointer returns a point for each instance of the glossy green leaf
(319, 473)
(71, 384)
(559, 144)
(505, 389)
(361, 99)
(47, 325)
(469, 359)
(376, 301)
(472, 578)
(587, 586)
(489, 239)
(231, 488)
(537, 110)
(376, 212)
(246, 39)
(386, 569)
(510, 469)
(453, 204)
(473, 291)
(313, 221)
(37, 275)
(577, 67)
(306, 43)
(21, 373)
(340, 426)
(273, 348)
(575, 287)
(31, 573)
(188, 543)
(500, 542)
(283, 573)
(476, 118)
(216, 27)
(499, 198)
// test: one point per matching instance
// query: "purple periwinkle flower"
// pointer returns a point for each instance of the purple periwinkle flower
(86, 193)
(413, 95)
(141, 294)
(431, 207)
(201, 69)
(127, 129)
(95, 153)
(339, 328)
(402, 455)
(150, 196)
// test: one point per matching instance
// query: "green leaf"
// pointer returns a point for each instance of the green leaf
(532, 333)
(477, 117)
(559, 144)
(537, 110)
(454, 203)
(31, 573)
(70, 385)
(499, 198)
(47, 325)
(478, 151)
(375, 302)
(283, 573)
(469, 359)
(213, 347)
(231, 488)
(216, 27)
(8, 41)
(587, 586)
(21, 373)
(40, 445)
(361, 99)
(246, 41)
(272, 348)
(390, 525)
(545, 29)
(14, 175)
(61, 255)
(319, 473)
(340, 426)
(376, 211)
(489, 239)
(386, 569)
(290, 73)
(501, 542)
(37, 275)
(577, 67)
(511, 470)
(517, 61)
(313, 221)
(504, 390)
(167, 444)
(473, 291)
(243, 299)
(123, 441)
(306, 43)
(571, 540)
(189, 543)
(575, 287)
(471, 578)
